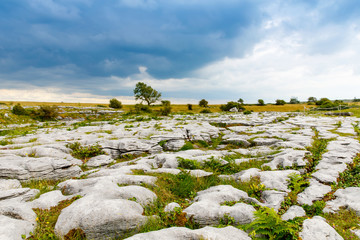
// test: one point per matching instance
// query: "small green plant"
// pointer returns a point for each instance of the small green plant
(188, 163)
(338, 124)
(256, 190)
(317, 149)
(247, 112)
(315, 209)
(344, 221)
(19, 110)
(269, 224)
(227, 220)
(350, 177)
(187, 146)
(84, 152)
(297, 183)
(46, 220)
(43, 185)
(5, 142)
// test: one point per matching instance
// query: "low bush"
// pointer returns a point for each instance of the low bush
(205, 111)
(142, 108)
(114, 103)
(84, 152)
(166, 108)
(45, 113)
(280, 102)
(19, 110)
(269, 224)
(190, 107)
(231, 105)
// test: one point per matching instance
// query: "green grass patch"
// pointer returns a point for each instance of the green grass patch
(84, 152)
(43, 185)
(46, 220)
(343, 221)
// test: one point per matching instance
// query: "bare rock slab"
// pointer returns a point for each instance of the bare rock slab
(100, 218)
(180, 233)
(318, 229)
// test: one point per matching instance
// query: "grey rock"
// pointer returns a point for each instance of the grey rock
(265, 141)
(277, 179)
(20, 194)
(13, 229)
(293, 212)
(247, 174)
(315, 191)
(49, 199)
(171, 207)
(174, 145)
(100, 218)
(348, 198)
(18, 210)
(180, 233)
(318, 229)
(288, 158)
(273, 199)
(7, 184)
(98, 161)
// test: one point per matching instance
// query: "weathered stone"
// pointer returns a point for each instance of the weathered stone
(49, 199)
(315, 191)
(273, 199)
(100, 218)
(7, 184)
(171, 207)
(13, 229)
(317, 229)
(348, 198)
(98, 161)
(179, 233)
(288, 158)
(293, 212)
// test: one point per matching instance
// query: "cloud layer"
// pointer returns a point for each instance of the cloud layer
(188, 50)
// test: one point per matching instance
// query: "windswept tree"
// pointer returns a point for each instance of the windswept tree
(241, 101)
(146, 93)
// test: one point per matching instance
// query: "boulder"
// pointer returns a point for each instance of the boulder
(100, 218)
(315, 191)
(14, 229)
(293, 212)
(49, 199)
(273, 199)
(179, 233)
(348, 198)
(318, 229)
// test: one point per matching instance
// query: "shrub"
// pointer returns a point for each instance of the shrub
(280, 102)
(84, 152)
(114, 103)
(247, 112)
(315, 209)
(203, 103)
(187, 146)
(261, 102)
(166, 109)
(230, 105)
(188, 163)
(294, 100)
(189, 106)
(19, 110)
(142, 108)
(205, 111)
(45, 113)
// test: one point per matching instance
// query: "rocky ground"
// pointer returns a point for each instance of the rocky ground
(210, 176)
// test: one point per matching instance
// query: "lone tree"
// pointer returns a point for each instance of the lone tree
(203, 103)
(294, 100)
(280, 102)
(146, 93)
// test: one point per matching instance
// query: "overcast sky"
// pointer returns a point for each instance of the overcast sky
(220, 50)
